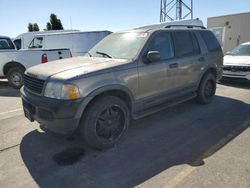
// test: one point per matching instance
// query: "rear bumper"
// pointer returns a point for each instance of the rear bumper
(238, 74)
(59, 116)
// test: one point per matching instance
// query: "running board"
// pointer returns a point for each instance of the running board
(163, 106)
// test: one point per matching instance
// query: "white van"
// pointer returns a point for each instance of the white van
(23, 40)
(79, 43)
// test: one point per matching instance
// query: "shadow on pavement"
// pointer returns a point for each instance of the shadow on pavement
(238, 83)
(7, 91)
(185, 134)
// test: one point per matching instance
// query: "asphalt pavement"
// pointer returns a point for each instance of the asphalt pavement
(189, 145)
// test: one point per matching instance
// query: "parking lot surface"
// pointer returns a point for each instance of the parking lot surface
(188, 145)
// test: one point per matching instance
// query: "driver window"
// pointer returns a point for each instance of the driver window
(162, 43)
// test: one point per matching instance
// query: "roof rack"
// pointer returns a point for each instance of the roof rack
(179, 23)
(187, 26)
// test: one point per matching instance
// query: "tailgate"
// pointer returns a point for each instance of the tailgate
(55, 54)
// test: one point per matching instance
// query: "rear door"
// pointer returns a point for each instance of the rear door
(189, 58)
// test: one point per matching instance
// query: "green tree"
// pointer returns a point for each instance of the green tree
(55, 23)
(48, 26)
(30, 27)
(33, 27)
(36, 27)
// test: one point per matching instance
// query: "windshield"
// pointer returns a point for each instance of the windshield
(240, 50)
(120, 45)
(5, 44)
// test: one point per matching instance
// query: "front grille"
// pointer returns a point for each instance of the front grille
(236, 68)
(33, 84)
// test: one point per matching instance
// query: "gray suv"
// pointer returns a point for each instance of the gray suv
(125, 76)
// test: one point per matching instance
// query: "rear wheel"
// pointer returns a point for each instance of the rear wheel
(105, 122)
(15, 77)
(207, 89)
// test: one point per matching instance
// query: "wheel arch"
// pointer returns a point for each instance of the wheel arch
(11, 64)
(119, 91)
(212, 70)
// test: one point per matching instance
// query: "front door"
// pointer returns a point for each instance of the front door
(153, 79)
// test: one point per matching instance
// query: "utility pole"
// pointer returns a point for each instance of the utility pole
(182, 10)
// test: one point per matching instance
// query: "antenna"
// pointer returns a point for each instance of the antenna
(182, 10)
(70, 20)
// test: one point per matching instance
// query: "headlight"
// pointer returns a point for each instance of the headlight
(61, 91)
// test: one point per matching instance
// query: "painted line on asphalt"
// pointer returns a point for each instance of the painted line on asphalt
(189, 169)
(11, 111)
(11, 114)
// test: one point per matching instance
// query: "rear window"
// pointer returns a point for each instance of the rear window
(5, 44)
(211, 41)
(185, 44)
(17, 43)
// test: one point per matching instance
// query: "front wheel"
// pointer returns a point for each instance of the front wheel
(15, 77)
(105, 122)
(207, 89)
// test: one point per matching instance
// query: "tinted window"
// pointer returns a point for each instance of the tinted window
(162, 43)
(183, 43)
(210, 40)
(36, 43)
(6, 43)
(17, 43)
(196, 47)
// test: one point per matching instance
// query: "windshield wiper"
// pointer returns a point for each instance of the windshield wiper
(104, 54)
(89, 54)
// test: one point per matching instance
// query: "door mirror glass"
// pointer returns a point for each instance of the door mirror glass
(153, 56)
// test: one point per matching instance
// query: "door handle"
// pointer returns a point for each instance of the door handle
(201, 59)
(173, 65)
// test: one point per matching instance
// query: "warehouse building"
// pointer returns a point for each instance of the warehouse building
(231, 30)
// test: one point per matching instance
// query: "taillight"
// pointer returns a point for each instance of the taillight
(44, 58)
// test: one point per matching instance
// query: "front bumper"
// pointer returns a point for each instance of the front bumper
(59, 116)
(236, 74)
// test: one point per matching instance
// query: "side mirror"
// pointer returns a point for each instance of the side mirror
(153, 56)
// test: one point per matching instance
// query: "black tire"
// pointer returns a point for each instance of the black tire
(105, 122)
(15, 77)
(207, 89)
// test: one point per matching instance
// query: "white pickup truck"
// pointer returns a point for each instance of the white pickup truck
(13, 62)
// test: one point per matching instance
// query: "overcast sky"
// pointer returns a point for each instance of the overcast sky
(113, 15)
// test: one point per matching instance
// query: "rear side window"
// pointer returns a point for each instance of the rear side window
(183, 43)
(36, 43)
(5, 44)
(196, 46)
(17, 43)
(211, 41)
(162, 43)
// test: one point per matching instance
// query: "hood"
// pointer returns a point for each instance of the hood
(236, 60)
(72, 67)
